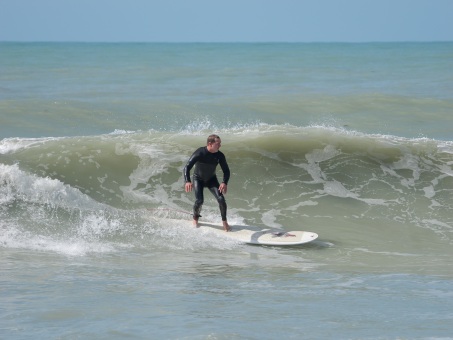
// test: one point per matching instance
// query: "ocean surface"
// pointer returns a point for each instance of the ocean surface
(351, 141)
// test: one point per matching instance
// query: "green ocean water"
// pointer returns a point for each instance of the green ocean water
(351, 141)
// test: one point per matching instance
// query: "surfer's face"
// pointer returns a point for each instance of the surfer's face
(214, 147)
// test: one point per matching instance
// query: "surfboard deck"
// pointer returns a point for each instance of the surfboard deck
(255, 235)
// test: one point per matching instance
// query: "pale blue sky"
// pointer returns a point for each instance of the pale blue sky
(226, 21)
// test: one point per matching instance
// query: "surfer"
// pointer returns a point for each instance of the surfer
(205, 160)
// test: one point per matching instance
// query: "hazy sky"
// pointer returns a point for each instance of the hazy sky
(226, 21)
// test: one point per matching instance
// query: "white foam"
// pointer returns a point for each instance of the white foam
(319, 155)
(42, 190)
(154, 162)
(121, 132)
(429, 191)
(181, 235)
(330, 187)
(302, 204)
(11, 145)
(269, 218)
(364, 250)
(435, 222)
(12, 237)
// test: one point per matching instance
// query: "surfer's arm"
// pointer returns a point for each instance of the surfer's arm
(188, 184)
(226, 175)
(225, 169)
(190, 163)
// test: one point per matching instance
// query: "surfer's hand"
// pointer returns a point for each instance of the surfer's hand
(223, 188)
(188, 186)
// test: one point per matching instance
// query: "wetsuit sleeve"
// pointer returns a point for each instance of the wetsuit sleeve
(190, 163)
(225, 169)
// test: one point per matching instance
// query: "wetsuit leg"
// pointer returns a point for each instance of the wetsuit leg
(214, 188)
(198, 186)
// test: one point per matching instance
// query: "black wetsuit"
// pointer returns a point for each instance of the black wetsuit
(204, 176)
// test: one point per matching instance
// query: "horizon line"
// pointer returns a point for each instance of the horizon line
(225, 42)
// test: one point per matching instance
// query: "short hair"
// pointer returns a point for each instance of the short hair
(212, 138)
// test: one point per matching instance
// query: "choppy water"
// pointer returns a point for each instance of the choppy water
(351, 141)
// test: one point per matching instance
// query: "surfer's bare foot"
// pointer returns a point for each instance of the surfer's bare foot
(195, 223)
(226, 226)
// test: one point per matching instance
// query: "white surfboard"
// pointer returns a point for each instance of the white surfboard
(255, 235)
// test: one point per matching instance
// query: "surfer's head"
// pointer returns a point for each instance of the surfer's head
(214, 143)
